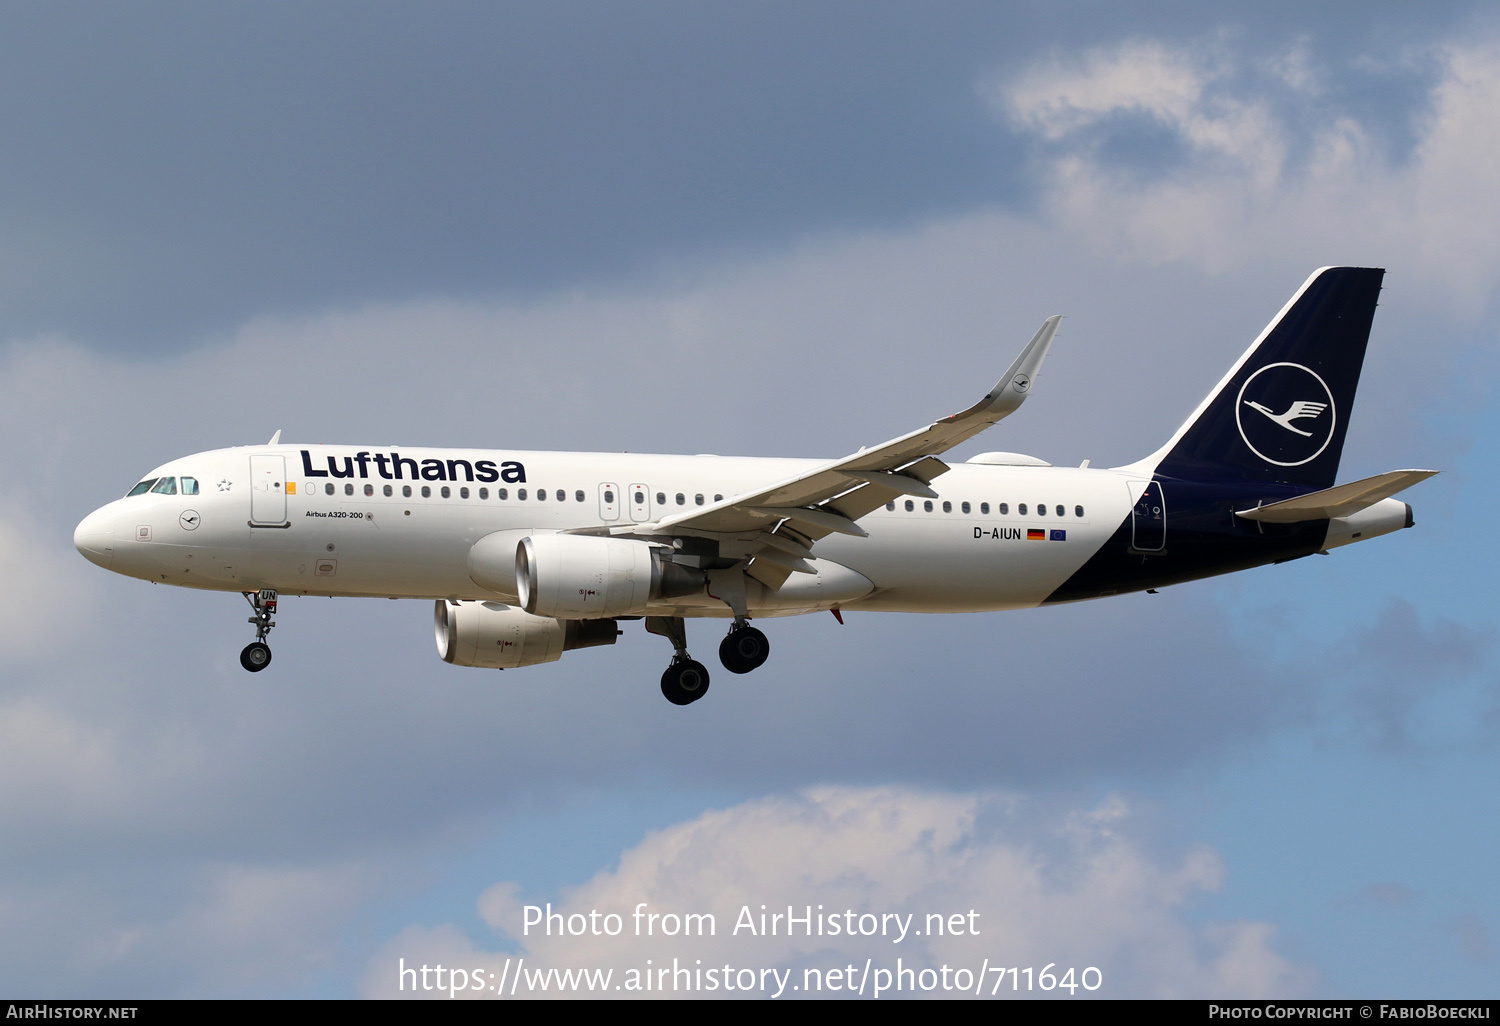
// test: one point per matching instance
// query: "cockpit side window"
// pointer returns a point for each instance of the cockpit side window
(190, 486)
(165, 486)
(142, 488)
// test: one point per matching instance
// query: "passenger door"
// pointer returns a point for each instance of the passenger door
(1149, 519)
(268, 490)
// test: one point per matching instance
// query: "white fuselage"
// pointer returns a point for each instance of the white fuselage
(263, 517)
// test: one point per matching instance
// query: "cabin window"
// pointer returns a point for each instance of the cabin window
(348, 489)
(463, 493)
(1003, 509)
(142, 488)
(661, 498)
(681, 499)
(484, 493)
(927, 505)
(406, 491)
(502, 494)
(426, 491)
(891, 505)
(1061, 511)
(964, 507)
(698, 500)
(541, 495)
(1021, 509)
(947, 506)
(984, 507)
(909, 506)
(446, 492)
(1078, 511)
(521, 494)
(609, 496)
(387, 491)
(190, 486)
(578, 496)
(640, 498)
(165, 486)
(369, 490)
(718, 497)
(328, 488)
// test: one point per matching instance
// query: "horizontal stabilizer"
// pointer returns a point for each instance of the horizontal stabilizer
(1339, 501)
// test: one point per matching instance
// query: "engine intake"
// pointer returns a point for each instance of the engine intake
(503, 637)
(577, 576)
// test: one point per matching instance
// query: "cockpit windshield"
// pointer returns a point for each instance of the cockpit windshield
(164, 486)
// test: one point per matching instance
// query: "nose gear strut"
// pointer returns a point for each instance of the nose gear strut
(257, 655)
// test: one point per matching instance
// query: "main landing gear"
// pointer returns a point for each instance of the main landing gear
(743, 649)
(685, 681)
(257, 654)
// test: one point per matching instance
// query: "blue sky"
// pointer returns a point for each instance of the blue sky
(784, 230)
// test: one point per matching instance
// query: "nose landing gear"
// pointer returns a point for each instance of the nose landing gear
(257, 655)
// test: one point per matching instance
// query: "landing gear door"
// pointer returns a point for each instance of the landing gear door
(268, 490)
(640, 503)
(1149, 517)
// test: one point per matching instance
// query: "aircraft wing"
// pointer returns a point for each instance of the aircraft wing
(796, 512)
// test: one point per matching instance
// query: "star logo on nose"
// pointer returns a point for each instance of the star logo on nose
(225, 485)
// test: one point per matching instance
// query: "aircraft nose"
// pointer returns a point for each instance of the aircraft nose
(94, 538)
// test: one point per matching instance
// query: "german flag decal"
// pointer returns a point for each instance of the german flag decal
(1035, 534)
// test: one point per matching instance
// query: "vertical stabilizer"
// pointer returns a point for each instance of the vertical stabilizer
(1280, 414)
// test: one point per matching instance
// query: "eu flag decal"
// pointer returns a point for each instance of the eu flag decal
(1059, 535)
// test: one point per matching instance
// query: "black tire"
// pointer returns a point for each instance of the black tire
(685, 682)
(256, 656)
(743, 650)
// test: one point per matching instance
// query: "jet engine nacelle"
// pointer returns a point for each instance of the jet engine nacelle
(504, 637)
(583, 576)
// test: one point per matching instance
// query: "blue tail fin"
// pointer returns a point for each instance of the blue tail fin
(1280, 414)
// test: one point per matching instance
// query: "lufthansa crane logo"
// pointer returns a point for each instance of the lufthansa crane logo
(1286, 414)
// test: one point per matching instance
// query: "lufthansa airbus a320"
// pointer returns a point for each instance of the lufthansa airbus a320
(530, 554)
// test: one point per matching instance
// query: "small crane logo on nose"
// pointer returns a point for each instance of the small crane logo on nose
(190, 520)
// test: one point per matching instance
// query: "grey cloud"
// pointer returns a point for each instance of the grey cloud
(1404, 665)
(1392, 894)
(1473, 938)
(177, 168)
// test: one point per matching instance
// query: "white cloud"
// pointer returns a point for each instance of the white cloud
(1244, 193)
(1075, 890)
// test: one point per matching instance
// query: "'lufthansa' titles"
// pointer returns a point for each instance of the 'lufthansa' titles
(393, 467)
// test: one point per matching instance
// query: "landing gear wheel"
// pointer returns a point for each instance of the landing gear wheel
(684, 682)
(743, 650)
(256, 656)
